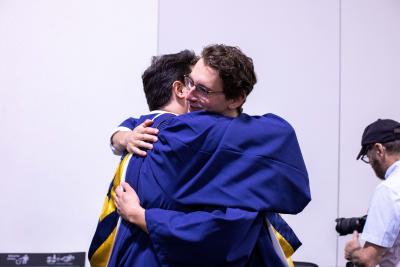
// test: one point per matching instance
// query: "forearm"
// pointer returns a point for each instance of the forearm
(118, 141)
(369, 256)
(128, 206)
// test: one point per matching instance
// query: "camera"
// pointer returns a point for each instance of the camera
(346, 226)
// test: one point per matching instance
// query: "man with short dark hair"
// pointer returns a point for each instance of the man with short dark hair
(164, 88)
(381, 149)
(163, 83)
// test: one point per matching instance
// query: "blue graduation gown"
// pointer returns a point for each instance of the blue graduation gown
(233, 236)
(248, 162)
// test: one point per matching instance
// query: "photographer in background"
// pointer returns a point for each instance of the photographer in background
(381, 149)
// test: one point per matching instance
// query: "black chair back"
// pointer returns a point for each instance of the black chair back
(304, 264)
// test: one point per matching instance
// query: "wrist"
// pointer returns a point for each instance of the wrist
(355, 256)
(137, 217)
(119, 140)
(122, 139)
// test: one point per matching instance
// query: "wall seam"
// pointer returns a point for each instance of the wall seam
(339, 121)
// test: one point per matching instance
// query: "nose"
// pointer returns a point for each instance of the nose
(191, 95)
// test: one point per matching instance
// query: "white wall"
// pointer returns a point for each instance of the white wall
(69, 72)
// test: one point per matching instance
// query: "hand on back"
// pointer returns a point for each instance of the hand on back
(137, 141)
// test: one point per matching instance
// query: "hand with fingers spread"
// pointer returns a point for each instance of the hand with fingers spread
(128, 205)
(136, 141)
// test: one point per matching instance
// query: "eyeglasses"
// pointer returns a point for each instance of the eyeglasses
(365, 157)
(201, 89)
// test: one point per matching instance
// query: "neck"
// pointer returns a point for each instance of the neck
(231, 113)
(174, 108)
(390, 160)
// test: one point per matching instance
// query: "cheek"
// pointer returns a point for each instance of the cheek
(204, 101)
(374, 163)
(185, 93)
(220, 104)
(191, 95)
(211, 105)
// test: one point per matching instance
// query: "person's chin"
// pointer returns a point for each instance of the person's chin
(194, 108)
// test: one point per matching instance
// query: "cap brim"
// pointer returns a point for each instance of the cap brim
(363, 151)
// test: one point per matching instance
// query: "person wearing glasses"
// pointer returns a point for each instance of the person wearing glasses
(219, 164)
(381, 149)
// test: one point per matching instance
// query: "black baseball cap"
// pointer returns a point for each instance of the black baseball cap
(380, 131)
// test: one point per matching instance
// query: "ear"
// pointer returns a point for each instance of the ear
(380, 149)
(236, 102)
(178, 89)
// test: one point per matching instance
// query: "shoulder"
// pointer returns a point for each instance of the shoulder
(197, 121)
(201, 117)
(386, 200)
(156, 116)
(129, 123)
(198, 130)
(391, 185)
(265, 125)
(266, 120)
(393, 181)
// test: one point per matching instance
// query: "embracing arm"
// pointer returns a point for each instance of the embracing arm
(265, 165)
(260, 168)
(128, 206)
(134, 140)
(207, 237)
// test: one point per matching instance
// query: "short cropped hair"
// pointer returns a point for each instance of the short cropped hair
(162, 73)
(392, 147)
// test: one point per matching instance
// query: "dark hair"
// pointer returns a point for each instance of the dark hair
(393, 147)
(162, 73)
(235, 69)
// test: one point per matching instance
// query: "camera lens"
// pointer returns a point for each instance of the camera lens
(345, 226)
